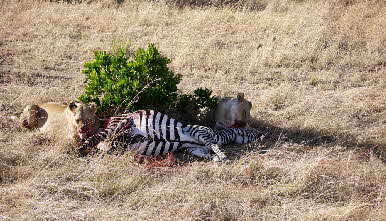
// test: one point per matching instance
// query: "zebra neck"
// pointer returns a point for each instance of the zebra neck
(187, 129)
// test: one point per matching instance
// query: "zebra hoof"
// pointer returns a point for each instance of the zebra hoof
(221, 160)
(82, 152)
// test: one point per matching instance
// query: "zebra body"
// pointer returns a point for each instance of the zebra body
(154, 133)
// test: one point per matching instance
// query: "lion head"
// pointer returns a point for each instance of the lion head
(30, 116)
(233, 112)
(82, 118)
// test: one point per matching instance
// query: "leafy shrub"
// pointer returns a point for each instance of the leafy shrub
(136, 80)
(202, 97)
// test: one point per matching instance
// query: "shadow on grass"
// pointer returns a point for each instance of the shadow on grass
(4, 70)
(275, 136)
(314, 138)
(236, 4)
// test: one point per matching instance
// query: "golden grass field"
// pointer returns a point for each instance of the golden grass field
(314, 70)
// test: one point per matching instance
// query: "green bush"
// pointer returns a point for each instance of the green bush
(136, 80)
(202, 97)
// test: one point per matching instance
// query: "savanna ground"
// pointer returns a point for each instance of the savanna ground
(314, 70)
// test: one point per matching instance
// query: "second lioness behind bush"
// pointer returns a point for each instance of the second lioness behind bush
(232, 112)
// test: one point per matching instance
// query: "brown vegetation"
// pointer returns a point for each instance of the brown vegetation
(314, 70)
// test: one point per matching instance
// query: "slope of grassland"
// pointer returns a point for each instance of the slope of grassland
(314, 71)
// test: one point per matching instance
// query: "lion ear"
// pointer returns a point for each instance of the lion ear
(93, 106)
(34, 107)
(240, 96)
(72, 106)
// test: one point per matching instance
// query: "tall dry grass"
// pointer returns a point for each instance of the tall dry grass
(314, 70)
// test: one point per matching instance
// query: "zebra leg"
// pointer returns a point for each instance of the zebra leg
(199, 152)
(247, 135)
(220, 156)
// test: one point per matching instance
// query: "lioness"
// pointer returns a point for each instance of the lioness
(233, 112)
(77, 120)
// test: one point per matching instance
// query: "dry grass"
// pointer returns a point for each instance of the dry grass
(314, 70)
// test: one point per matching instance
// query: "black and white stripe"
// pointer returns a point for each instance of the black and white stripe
(154, 133)
(237, 136)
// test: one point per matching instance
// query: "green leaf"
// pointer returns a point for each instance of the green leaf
(113, 80)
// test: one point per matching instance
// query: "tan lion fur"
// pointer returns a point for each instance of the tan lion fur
(233, 112)
(74, 121)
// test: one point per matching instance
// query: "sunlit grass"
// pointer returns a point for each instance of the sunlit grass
(314, 71)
